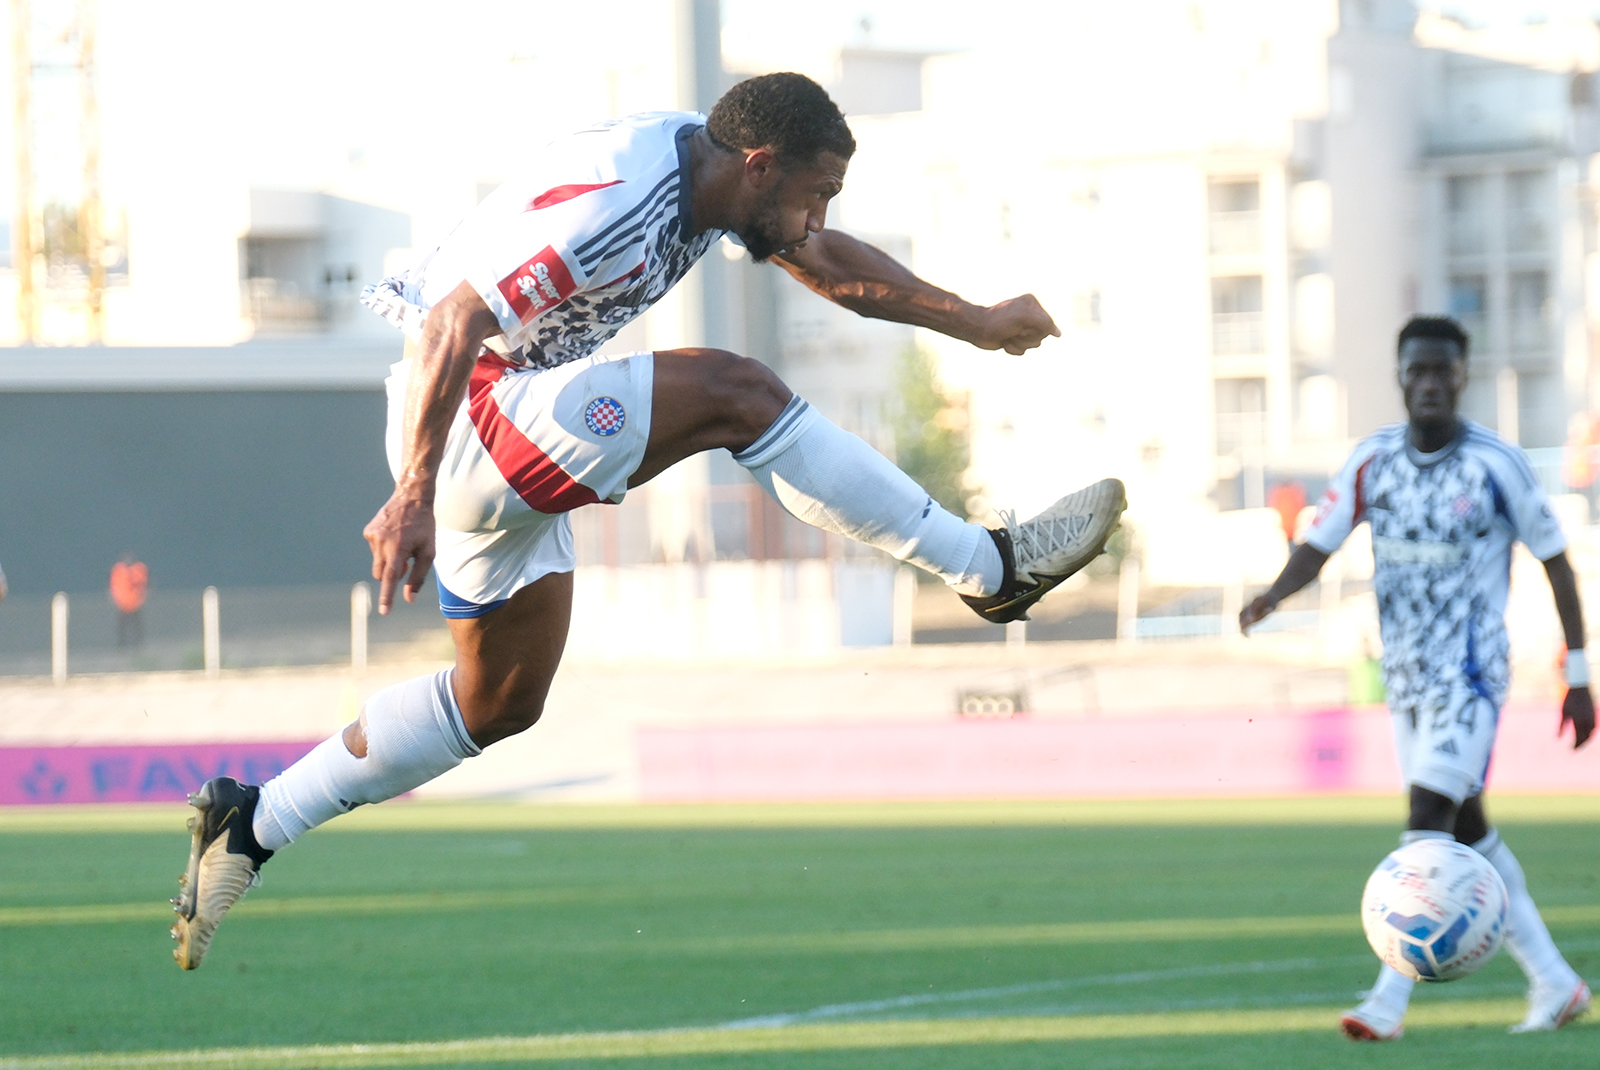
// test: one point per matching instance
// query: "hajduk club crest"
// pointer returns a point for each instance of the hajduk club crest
(605, 416)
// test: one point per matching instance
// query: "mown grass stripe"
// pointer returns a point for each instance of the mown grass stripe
(1153, 930)
(1148, 930)
(414, 815)
(715, 1041)
(311, 906)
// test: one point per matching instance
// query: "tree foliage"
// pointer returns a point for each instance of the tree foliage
(930, 432)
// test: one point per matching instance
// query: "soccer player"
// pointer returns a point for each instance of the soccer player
(1446, 498)
(502, 420)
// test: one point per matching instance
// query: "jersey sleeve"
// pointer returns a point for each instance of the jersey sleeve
(522, 260)
(1339, 510)
(1526, 505)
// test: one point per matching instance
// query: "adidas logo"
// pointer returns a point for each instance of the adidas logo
(1447, 747)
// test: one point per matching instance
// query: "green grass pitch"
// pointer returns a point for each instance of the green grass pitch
(1046, 935)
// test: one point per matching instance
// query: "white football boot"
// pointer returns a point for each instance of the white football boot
(1551, 1008)
(1373, 1020)
(224, 862)
(1041, 552)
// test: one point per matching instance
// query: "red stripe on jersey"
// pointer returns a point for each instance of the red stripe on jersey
(629, 277)
(1361, 493)
(551, 197)
(537, 479)
(538, 285)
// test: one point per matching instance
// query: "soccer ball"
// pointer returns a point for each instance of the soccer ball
(1435, 910)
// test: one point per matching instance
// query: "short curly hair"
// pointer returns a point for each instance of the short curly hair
(786, 113)
(1441, 327)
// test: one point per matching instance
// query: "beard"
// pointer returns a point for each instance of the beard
(763, 235)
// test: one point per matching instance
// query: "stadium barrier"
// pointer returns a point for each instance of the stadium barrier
(1244, 754)
(1348, 750)
(120, 774)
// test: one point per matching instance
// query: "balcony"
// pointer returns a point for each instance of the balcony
(1235, 233)
(276, 307)
(1235, 334)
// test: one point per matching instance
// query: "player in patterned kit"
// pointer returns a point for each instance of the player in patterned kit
(1446, 498)
(502, 421)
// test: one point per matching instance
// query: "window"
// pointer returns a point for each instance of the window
(1234, 196)
(1235, 216)
(1529, 196)
(1236, 320)
(1469, 305)
(1241, 421)
(1466, 203)
(1529, 295)
(283, 284)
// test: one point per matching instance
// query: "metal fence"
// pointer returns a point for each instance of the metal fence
(246, 627)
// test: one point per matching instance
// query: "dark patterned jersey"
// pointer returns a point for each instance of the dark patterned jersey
(565, 254)
(1443, 525)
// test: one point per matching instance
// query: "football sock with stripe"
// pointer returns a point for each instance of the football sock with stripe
(414, 734)
(831, 479)
(1527, 938)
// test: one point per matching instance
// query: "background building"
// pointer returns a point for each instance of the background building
(1229, 207)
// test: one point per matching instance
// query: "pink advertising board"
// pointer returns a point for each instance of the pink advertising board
(111, 774)
(1245, 754)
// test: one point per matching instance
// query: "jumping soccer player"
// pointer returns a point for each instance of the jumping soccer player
(1446, 499)
(502, 421)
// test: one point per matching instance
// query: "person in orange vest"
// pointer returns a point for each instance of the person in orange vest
(130, 582)
(1288, 499)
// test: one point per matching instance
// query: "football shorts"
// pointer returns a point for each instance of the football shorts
(526, 448)
(1448, 751)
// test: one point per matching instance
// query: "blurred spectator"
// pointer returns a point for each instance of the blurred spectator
(3, 587)
(1287, 499)
(130, 582)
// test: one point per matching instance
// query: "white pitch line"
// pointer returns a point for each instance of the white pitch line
(840, 1010)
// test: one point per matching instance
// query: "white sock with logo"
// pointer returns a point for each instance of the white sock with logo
(414, 734)
(1527, 938)
(831, 479)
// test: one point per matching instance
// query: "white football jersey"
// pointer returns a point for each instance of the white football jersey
(1443, 525)
(565, 254)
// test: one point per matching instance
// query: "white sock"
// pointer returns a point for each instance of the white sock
(1413, 835)
(830, 479)
(1392, 990)
(1526, 936)
(414, 733)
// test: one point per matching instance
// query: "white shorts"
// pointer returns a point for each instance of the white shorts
(1449, 752)
(526, 448)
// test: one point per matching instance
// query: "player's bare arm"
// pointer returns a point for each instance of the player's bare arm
(1304, 565)
(869, 282)
(1577, 708)
(402, 534)
(778, 156)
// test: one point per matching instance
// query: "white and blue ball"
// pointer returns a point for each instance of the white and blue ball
(1435, 910)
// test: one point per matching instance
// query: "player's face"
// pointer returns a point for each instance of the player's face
(1433, 372)
(793, 208)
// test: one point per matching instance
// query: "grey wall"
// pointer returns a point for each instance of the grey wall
(257, 488)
